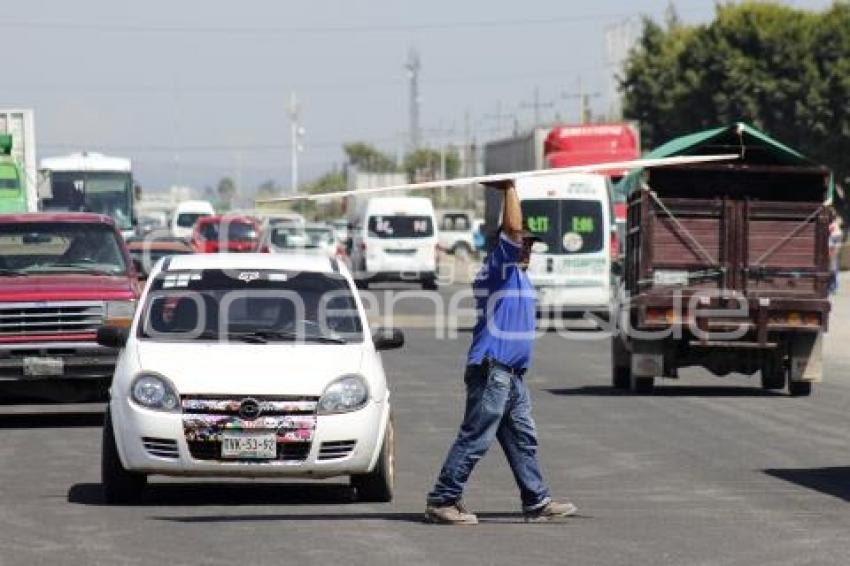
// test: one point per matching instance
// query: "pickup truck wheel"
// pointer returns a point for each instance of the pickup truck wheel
(377, 486)
(643, 385)
(119, 484)
(800, 388)
(773, 374)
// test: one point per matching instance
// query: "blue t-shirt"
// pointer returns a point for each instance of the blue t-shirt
(505, 302)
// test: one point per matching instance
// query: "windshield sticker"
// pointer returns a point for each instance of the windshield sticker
(538, 223)
(573, 242)
(278, 277)
(583, 224)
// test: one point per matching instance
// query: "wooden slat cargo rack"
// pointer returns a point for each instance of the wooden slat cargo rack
(726, 264)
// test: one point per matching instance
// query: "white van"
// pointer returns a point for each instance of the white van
(186, 214)
(572, 215)
(394, 238)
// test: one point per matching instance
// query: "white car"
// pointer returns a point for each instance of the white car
(249, 365)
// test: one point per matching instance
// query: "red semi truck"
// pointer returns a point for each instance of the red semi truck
(62, 276)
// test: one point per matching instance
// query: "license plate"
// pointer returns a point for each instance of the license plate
(39, 367)
(248, 445)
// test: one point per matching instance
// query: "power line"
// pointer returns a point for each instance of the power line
(435, 26)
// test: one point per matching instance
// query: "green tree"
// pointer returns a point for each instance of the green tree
(268, 189)
(367, 157)
(426, 164)
(784, 70)
(226, 190)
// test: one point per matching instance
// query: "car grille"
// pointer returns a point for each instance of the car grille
(206, 417)
(161, 447)
(23, 319)
(336, 449)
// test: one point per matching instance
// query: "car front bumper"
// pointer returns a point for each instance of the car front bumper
(135, 428)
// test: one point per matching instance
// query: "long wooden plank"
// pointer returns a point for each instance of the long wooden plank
(481, 179)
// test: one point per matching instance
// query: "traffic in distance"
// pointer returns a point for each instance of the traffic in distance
(180, 319)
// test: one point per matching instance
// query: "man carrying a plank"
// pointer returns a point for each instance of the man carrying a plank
(498, 405)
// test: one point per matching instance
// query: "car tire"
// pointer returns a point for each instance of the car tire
(430, 284)
(800, 388)
(119, 484)
(462, 251)
(621, 371)
(377, 486)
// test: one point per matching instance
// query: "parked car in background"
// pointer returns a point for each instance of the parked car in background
(186, 214)
(322, 235)
(250, 365)
(147, 251)
(151, 222)
(456, 234)
(289, 219)
(226, 234)
(62, 276)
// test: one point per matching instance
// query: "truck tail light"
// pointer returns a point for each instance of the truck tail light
(660, 315)
(615, 245)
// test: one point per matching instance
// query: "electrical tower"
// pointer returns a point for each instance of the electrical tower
(413, 66)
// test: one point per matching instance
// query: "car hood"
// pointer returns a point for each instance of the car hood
(66, 287)
(250, 369)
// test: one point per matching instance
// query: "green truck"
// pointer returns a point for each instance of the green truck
(13, 181)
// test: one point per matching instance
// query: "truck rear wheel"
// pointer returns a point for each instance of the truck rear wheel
(800, 388)
(643, 385)
(773, 373)
(621, 371)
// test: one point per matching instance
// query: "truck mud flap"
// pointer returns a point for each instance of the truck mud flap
(647, 359)
(807, 357)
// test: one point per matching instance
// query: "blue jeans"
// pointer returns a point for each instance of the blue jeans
(498, 406)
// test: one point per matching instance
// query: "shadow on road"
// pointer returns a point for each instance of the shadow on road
(831, 481)
(50, 420)
(223, 493)
(501, 518)
(669, 391)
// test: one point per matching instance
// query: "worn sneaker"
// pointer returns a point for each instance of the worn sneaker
(552, 510)
(455, 514)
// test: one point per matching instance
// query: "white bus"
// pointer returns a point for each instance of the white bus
(90, 182)
(571, 269)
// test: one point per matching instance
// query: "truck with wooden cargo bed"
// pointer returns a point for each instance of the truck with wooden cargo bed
(726, 265)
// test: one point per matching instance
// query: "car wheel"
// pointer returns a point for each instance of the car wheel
(119, 484)
(462, 251)
(621, 371)
(643, 385)
(430, 284)
(800, 388)
(377, 486)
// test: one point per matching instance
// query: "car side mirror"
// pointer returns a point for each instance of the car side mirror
(112, 336)
(387, 338)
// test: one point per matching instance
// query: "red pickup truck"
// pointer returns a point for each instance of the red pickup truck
(62, 276)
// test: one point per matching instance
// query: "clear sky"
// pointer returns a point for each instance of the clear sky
(195, 89)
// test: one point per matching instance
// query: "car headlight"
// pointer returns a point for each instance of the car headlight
(348, 393)
(120, 313)
(154, 392)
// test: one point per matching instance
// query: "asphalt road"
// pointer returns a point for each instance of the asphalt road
(707, 471)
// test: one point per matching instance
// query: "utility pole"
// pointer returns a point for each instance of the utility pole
(413, 66)
(583, 101)
(498, 116)
(296, 132)
(619, 40)
(537, 106)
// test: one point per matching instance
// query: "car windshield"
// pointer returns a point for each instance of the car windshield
(233, 230)
(399, 226)
(103, 192)
(290, 238)
(251, 306)
(566, 226)
(188, 219)
(71, 247)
